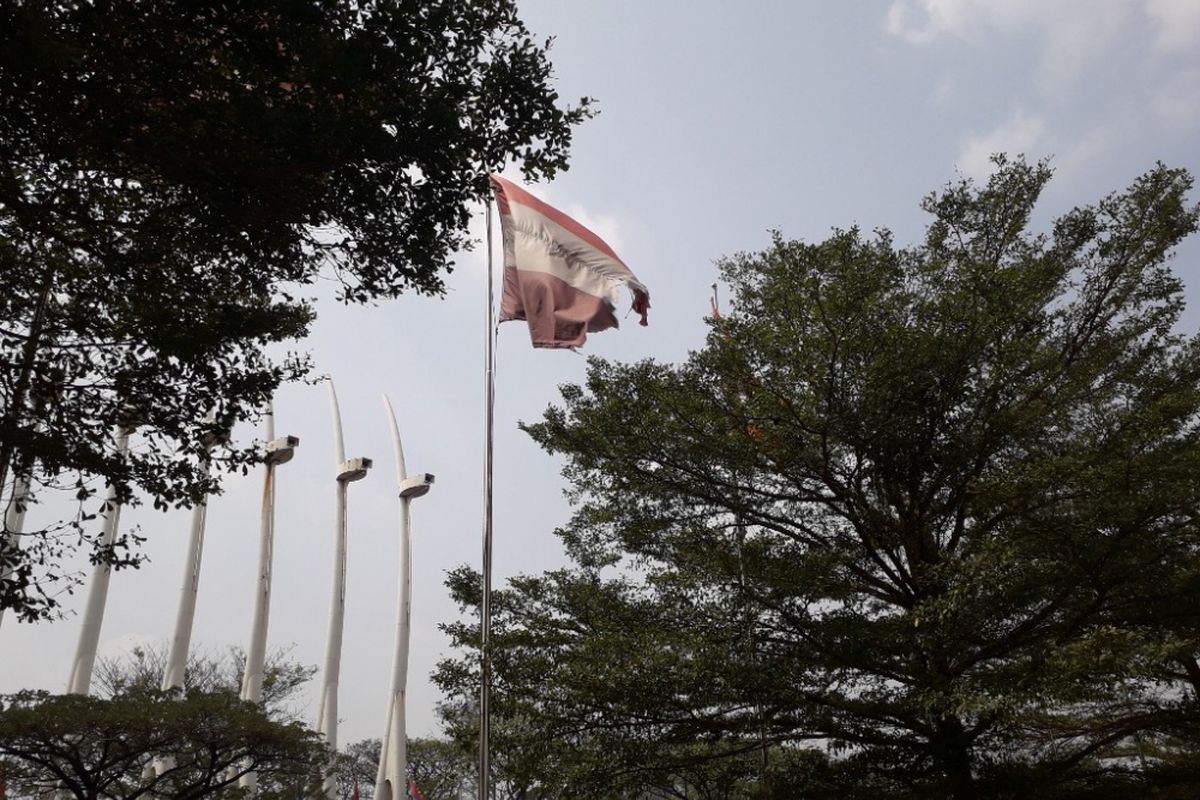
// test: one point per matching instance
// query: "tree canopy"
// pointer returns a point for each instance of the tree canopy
(172, 175)
(93, 748)
(916, 522)
(142, 670)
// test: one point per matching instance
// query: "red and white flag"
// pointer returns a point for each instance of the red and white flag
(558, 275)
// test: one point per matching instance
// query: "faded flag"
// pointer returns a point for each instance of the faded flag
(558, 276)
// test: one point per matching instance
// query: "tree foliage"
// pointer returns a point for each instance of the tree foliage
(93, 748)
(916, 522)
(142, 670)
(442, 769)
(172, 175)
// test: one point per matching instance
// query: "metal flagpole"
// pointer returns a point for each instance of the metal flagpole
(80, 681)
(346, 472)
(390, 779)
(278, 451)
(14, 523)
(485, 609)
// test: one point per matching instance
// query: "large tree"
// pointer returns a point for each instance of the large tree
(916, 522)
(172, 174)
(91, 748)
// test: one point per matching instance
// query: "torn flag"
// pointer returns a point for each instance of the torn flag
(558, 276)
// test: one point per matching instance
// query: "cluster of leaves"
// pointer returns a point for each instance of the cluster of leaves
(915, 523)
(172, 175)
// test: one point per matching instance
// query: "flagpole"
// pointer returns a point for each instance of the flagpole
(485, 609)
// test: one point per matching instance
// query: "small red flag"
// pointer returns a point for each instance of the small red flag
(356, 795)
(414, 792)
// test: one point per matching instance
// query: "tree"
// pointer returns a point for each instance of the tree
(142, 670)
(923, 520)
(442, 769)
(93, 748)
(171, 178)
(357, 765)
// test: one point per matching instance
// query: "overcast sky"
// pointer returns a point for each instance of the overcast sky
(719, 122)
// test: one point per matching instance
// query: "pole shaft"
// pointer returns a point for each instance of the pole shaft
(80, 681)
(256, 653)
(390, 777)
(485, 610)
(173, 677)
(14, 524)
(327, 721)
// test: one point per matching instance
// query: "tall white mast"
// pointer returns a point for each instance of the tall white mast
(345, 472)
(14, 523)
(80, 681)
(390, 781)
(278, 451)
(173, 675)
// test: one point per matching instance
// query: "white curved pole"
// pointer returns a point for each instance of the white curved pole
(93, 614)
(177, 656)
(346, 472)
(14, 524)
(390, 778)
(256, 653)
(279, 451)
(339, 444)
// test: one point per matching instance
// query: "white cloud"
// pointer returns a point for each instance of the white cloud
(605, 226)
(1072, 32)
(1178, 100)
(1176, 23)
(1084, 154)
(941, 17)
(1019, 134)
(944, 91)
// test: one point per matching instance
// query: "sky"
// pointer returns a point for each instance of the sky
(719, 122)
